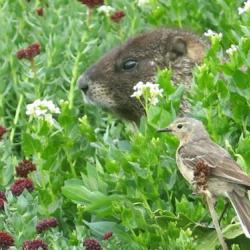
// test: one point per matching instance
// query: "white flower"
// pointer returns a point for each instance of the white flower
(49, 119)
(106, 9)
(42, 109)
(149, 90)
(142, 3)
(245, 8)
(232, 49)
(211, 33)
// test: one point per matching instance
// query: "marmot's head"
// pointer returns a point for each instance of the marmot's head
(109, 82)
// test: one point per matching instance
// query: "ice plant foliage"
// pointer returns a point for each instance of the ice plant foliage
(117, 16)
(46, 224)
(6, 240)
(2, 131)
(107, 235)
(24, 168)
(232, 49)
(245, 8)
(35, 245)
(149, 91)
(42, 109)
(92, 244)
(19, 185)
(92, 3)
(30, 52)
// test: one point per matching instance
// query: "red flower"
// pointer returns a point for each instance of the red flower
(3, 130)
(39, 11)
(92, 244)
(107, 235)
(34, 245)
(24, 168)
(46, 224)
(6, 240)
(30, 52)
(117, 16)
(92, 3)
(19, 185)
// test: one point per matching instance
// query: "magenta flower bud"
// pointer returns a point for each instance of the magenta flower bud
(92, 244)
(24, 168)
(46, 224)
(6, 240)
(35, 245)
(19, 185)
(117, 16)
(107, 235)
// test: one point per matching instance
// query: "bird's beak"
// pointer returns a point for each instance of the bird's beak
(164, 130)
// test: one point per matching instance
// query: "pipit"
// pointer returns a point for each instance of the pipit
(210, 169)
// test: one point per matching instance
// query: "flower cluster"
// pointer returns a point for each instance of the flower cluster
(245, 8)
(42, 109)
(232, 49)
(24, 168)
(150, 91)
(2, 131)
(30, 52)
(35, 245)
(106, 9)
(6, 240)
(19, 185)
(211, 33)
(92, 244)
(117, 16)
(46, 224)
(92, 3)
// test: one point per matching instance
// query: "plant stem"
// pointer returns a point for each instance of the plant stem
(12, 133)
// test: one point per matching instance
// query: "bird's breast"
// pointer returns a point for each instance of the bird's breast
(187, 172)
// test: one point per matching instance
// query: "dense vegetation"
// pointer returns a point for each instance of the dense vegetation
(95, 173)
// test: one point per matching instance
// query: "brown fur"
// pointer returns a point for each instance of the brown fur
(107, 84)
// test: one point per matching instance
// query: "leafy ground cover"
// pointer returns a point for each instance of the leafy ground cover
(80, 174)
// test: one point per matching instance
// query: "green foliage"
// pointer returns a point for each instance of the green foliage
(96, 173)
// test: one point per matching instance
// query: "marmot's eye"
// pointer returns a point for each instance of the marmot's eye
(179, 126)
(129, 64)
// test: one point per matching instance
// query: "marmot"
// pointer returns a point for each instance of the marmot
(109, 82)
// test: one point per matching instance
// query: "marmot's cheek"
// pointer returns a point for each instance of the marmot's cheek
(101, 96)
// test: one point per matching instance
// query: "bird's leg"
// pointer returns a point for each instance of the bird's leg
(208, 225)
(210, 203)
(223, 212)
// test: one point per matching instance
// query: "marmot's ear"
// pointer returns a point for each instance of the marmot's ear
(181, 46)
(178, 46)
(196, 51)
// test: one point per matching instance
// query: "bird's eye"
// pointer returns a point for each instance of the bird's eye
(179, 126)
(129, 64)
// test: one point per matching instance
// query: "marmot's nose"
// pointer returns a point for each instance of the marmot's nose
(83, 83)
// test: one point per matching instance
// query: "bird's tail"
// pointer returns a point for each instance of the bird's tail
(241, 205)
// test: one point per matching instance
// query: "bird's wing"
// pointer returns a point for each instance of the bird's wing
(214, 156)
